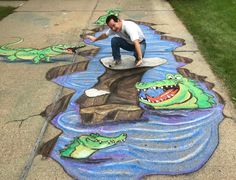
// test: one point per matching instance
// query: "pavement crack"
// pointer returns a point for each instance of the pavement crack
(50, 116)
(22, 120)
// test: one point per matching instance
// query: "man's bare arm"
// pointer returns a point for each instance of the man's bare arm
(93, 38)
(138, 51)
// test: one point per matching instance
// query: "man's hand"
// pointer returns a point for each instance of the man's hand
(92, 38)
(139, 62)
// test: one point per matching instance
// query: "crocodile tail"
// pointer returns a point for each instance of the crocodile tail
(5, 46)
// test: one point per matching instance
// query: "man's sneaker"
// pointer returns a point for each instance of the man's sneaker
(114, 63)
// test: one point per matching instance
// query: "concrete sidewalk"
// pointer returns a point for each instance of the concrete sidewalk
(25, 91)
(12, 3)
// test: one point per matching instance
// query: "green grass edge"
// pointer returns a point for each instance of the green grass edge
(5, 11)
(212, 26)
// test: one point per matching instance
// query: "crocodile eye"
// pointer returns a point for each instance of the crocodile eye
(178, 77)
(169, 76)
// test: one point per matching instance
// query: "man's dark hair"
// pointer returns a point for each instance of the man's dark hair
(115, 18)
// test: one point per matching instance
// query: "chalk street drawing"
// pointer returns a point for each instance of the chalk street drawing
(169, 115)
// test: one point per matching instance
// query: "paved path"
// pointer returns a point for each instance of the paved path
(24, 91)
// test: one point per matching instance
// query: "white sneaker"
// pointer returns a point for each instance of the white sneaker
(115, 63)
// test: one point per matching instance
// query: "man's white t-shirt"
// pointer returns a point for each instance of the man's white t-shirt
(130, 31)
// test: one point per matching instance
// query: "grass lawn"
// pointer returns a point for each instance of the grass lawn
(4, 11)
(213, 26)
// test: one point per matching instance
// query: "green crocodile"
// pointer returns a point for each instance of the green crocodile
(177, 92)
(102, 19)
(86, 145)
(36, 55)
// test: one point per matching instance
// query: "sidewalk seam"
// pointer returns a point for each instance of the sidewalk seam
(57, 96)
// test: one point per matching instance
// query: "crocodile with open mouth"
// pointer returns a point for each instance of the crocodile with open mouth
(86, 145)
(175, 92)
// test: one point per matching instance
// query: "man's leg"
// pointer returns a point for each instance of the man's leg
(116, 44)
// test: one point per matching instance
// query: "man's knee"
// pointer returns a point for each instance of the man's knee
(115, 41)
